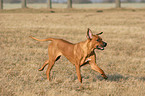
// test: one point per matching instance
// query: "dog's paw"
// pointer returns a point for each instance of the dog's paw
(105, 78)
(41, 69)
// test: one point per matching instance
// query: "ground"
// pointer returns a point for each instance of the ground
(122, 60)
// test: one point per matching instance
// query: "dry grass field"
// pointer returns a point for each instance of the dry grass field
(123, 60)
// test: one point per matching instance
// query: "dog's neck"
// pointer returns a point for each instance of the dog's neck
(86, 46)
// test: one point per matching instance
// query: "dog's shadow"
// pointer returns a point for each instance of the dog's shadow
(118, 78)
(114, 77)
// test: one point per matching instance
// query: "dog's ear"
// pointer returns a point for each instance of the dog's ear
(99, 33)
(89, 34)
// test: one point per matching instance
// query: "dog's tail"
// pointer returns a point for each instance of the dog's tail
(48, 39)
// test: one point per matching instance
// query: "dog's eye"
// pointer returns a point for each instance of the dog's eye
(98, 40)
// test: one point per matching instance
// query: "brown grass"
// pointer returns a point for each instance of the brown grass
(123, 59)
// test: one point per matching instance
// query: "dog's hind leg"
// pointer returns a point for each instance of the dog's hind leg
(45, 63)
(50, 65)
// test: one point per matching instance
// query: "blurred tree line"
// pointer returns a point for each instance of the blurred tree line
(74, 1)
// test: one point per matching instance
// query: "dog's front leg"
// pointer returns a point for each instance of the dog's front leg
(78, 72)
(94, 66)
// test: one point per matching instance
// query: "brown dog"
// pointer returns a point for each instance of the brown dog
(78, 54)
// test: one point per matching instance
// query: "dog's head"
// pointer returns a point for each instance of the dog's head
(95, 41)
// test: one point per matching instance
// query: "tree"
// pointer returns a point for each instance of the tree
(49, 5)
(24, 3)
(1, 4)
(118, 3)
(69, 3)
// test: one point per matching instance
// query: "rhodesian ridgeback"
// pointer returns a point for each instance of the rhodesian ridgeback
(78, 54)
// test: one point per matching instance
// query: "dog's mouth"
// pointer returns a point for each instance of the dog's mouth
(100, 48)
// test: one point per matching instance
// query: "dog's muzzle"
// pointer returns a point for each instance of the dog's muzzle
(101, 47)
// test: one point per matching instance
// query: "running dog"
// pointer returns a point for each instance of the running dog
(78, 54)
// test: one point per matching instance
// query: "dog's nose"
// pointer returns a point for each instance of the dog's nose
(105, 44)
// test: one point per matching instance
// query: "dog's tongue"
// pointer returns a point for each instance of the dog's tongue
(101, 48)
